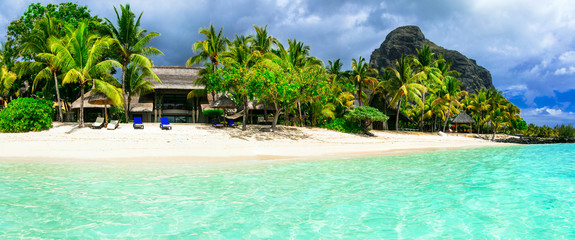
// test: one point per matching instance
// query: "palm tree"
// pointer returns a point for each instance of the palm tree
(7, 76)
(479, 105)
(7, 79)
(426, 63)
(297, 58)
(406, 83)
(262, 42)
(362, 74)
(241, 56)
(450, 94)
(210, 48)
(81, 58)
(45, 67)
(137, 82)
(131, 45)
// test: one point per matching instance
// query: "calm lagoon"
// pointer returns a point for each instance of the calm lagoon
(503, 192)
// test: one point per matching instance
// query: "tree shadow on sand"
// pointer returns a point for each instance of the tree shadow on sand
(260, 133)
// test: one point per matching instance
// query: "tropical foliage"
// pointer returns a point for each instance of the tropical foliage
(62, 51)
(26, 114)
(131, 47)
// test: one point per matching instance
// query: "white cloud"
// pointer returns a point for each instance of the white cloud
(515, 90)
(565, 71)
(548, 116)
(567, 57)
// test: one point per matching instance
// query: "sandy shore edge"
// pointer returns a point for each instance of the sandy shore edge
(201, 143)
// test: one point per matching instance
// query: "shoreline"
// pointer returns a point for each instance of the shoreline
(201, 143)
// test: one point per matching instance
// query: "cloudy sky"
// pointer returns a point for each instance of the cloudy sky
(527, 45)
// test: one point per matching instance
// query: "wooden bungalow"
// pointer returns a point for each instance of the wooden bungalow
(169, 98)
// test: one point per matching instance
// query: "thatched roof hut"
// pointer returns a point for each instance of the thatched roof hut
(463, 118)
(87, 104)
(224, 102)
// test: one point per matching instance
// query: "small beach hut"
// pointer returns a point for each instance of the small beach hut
(463, 118)
(224, 102)
(99, 98)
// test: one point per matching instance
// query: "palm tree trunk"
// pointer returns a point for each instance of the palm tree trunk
(81, 118)
(359, 91)
(422, 110)
(447, 114)
(61, 118)
(397, 116)
(301, 122)
(126, 107)
(245, 121)
(493, 137)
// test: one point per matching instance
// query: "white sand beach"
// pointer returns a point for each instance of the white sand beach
(204, 143)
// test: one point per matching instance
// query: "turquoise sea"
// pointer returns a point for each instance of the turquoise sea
(517, 192)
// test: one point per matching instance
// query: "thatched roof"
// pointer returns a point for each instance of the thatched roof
(224, 102)
(76, 104)
(141, 104)
(463, 117)
(177, 77)
(99, 98)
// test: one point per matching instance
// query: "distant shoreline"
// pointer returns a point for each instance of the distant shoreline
(201, 143)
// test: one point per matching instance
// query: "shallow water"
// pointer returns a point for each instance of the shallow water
(514, 192)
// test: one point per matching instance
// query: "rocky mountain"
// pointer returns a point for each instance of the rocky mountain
(406, 40)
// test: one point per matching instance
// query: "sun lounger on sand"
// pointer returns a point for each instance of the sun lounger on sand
(99, 123)
(230, 122)
(216, 123)
(165, 124)
(113, 125)
(138, 123)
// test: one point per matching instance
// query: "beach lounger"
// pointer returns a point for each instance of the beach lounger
(165, 124)
(99, 123)
(113, 125)
(216, 123)
(230, 122)
(138, 123)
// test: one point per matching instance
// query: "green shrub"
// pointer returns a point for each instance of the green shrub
(213, 113)
(342, 125)
(26, 114)
(365, 115)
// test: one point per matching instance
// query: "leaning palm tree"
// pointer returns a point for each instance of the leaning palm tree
(362, 74)
(407, 83)
(46, 66)
(131, 45)
(80, 55)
